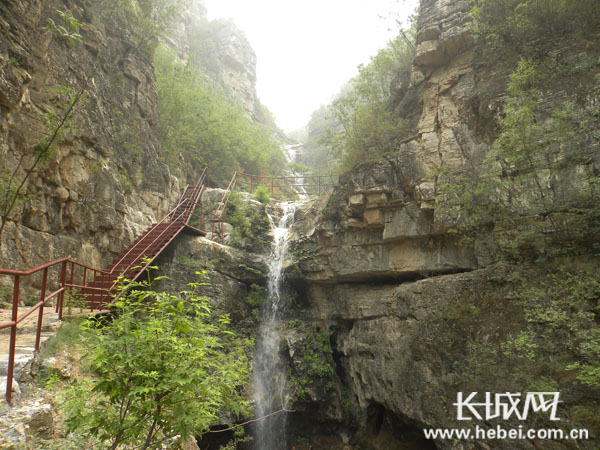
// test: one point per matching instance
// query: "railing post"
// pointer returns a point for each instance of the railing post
(92, 294)
(61, 295)
(82, 294)
(71, 279)
(13, 340)
(38, 333)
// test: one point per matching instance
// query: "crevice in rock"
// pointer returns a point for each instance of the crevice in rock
(335, 352)
(381, 279)
(375, 416)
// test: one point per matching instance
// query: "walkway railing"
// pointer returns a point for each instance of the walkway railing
(96, 287)
(92, 285)
(296, 184)
(65, 269)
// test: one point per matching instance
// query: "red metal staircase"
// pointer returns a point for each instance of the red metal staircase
(98, 288)
(135, 259)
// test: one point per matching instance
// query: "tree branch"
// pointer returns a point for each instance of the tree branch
(233, 427)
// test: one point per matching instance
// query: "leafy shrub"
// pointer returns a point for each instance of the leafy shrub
(255, 300)
(249, 224)
(262, 194)
(164, 369)
(562, 333)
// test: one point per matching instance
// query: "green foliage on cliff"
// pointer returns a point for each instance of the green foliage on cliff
(197, 121)
(359, 126)
(255, 300)
(68, 29)
(250, 224)
(148, 20)
(538, 187)
(526, 26)
(562, 335)
(163, 369)
(311, 373)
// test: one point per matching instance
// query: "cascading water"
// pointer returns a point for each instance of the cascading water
(292, 155)
(269, 379)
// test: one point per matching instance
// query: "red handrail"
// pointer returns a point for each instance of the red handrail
(48, 264)
(196, 193)
(254, 180)
(44, 299)
(179, 218)
(169, 214)
(158, 243)
(183, 218)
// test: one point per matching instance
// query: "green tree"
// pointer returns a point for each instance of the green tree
(364, 126)
(163, 369)
(196, 120)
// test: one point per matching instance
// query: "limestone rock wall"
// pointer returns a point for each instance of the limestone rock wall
(227, 275)
(238, 72)
(105, 182)
(417, 315)
(381, 221)
(374, 228)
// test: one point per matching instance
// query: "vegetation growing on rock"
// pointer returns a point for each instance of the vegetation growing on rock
(162, 370)
(359, 124)
(198, 122)
(537, 189)
(250, 224)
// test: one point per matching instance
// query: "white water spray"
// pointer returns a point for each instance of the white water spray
(269, 378)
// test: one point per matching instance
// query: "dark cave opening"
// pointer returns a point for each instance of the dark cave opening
(386, 430)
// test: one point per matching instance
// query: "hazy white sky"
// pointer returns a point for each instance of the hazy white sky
(307, 49)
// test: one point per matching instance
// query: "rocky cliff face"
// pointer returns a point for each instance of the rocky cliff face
(381, 222)
(416, 315)
(225, 54)
(105, 183)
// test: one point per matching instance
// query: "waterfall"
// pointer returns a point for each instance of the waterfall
(292, 151)
(269, 375)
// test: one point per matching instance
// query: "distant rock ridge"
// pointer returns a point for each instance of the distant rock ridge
(225, 54)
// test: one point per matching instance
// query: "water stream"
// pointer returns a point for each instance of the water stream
(293, 151)
(269, 375)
